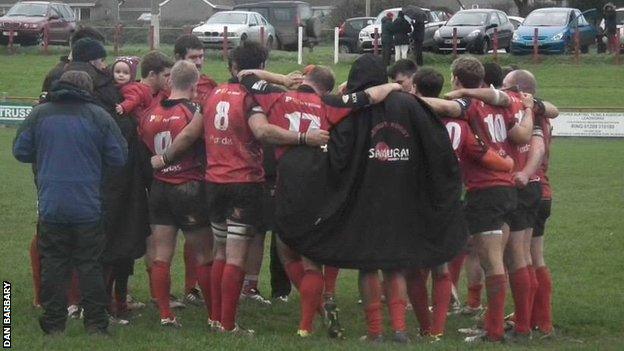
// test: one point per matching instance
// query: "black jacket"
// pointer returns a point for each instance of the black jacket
(401, 29)
(386, 31)
(387, 193)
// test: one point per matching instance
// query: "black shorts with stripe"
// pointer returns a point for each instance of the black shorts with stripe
(239, 203)
(182, 205)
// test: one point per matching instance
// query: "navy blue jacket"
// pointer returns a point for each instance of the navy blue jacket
(70, 139)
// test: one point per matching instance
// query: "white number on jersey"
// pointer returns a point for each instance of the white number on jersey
(221, 120)
(162, 141)
(295, 121)
(454, 130)
(496, 127)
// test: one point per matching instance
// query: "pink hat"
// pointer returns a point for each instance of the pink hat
(132, 62)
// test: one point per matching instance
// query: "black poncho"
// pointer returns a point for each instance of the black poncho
(386, 195)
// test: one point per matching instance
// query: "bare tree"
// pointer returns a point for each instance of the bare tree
(523, 7)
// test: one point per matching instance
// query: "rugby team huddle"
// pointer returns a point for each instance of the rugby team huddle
(206, 144)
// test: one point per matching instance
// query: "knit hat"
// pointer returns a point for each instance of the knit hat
(87, 49)
(132, 62)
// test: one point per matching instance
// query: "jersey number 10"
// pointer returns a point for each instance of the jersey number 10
(496, 127)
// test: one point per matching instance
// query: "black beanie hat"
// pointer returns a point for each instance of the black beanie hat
(87, 49)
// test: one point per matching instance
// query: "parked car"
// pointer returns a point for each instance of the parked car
(367, 34)
(286, 17)
(349, 32)
(27, 20)
(556, 27)
(516, 21)
(620, 27)
(241, 26)
(475, 31)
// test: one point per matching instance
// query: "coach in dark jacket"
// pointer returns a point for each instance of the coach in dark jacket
(72, 140)
(400, 30)
(387, 43)
(418, 36)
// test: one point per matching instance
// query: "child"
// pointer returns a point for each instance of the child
(139, 96)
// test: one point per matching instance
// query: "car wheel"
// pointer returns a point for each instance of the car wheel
(485, 47)
(270, 43)
(243, 38)
(585, 49)
(508, 49)
(344, 49)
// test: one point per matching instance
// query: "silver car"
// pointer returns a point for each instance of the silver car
(241, 26)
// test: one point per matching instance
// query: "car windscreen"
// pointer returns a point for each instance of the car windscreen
(395, 14)
(547, 19)
(30, 10)
(468, 19)
(358, 24)
(228, 18)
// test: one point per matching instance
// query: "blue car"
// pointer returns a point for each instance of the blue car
(556, 27)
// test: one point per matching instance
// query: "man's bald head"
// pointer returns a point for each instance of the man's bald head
(523, 79)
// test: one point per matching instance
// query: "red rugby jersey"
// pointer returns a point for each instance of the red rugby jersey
(464, 142)
(205, 85)
(233, 155)
(158, 130)
(302, 109)
(491, 124)
(542, 172)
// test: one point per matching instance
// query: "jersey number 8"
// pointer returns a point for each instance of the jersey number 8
(221, 120)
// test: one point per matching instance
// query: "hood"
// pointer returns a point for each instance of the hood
(547, 31)
(367, 71)
(63, 91)
(462, 31)
(232, 28)
(22, 19)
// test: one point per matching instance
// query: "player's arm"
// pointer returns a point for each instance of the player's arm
(181, 143)
(290, 81)
(379, 93)
(545, 109)
(272, 134)
(534, 159)
(490, 96)
(522, 131)
(487, 157)
(448, 108)
(24, 145)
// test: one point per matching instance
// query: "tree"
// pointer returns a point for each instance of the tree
(523, 7)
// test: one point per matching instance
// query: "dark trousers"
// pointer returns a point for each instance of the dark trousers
(417, 49)
(386, 52)
(280, 284)
(64, 247)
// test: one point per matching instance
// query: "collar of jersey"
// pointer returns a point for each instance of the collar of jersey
(304, 88)
(171, 103)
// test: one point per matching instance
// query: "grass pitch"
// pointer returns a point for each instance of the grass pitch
(583, 240)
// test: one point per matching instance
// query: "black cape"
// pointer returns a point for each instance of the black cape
(386, 195)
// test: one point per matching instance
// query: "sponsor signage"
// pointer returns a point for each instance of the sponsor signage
(589, 124)
(12, 113)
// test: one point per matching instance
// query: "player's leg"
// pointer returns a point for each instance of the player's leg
(541, 317)
(475, 277)
(164, 241)
(252, 270)
(370, 293)
(442, 286)
(200, 238)
(292, 262)
(416, 280)
(280, 283)
(192, 295)
(396, 294)
(219, 230)
(311, 290)
(330, 275)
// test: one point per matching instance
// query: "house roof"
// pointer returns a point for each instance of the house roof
(212, 3)
(146, 5)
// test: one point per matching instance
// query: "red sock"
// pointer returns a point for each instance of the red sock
(534, 284)
(203, 279)
(520, 283)
(542, 307)
(495, 316)
(396, 305)
(417, 292)
(161, 278)
(455, 267)
(474, 295)
(190, 269)
(35, 264)
(442, 286)
(73, 294)
(311, 294)
(231, 285)
(215, 289)
(371, 291)
(330, 275)
(294, 270)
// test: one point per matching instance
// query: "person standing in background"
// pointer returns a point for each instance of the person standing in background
(400, 30)
(418, 37)
(386, 38)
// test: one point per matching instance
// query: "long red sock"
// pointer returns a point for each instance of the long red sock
(520, 282)
(161, 278)
(73, 294)
(35, 264)
(371, 291)
(417, 292)
(203, 279)
(294, 270)
(190, 269)
(396, 304)
(231, 286)
(534, 284)
(330, 275)
(455, 267)
(542, 307)
(442, 286)
(495, 316)
(215, 289)
(474, 295)
(311, 295)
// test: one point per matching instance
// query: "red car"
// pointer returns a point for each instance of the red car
(28, 20)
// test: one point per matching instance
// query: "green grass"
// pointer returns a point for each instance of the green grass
(594, 83)
(583, 239)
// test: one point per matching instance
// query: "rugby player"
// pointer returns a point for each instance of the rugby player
(232, 124)
(188, 47)
(308, 108)
(177, 196)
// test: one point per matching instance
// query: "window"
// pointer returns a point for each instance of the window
(85, 14)
(494, 19)
(503, 18)
(261, 10)
(253, 20)
(263, 21)
(283, 14)
(56, 11)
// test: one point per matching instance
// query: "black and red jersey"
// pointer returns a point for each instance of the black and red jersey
(302, 109)
(160, 127)
(542, 171)
(465, 144)
(233, 153)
